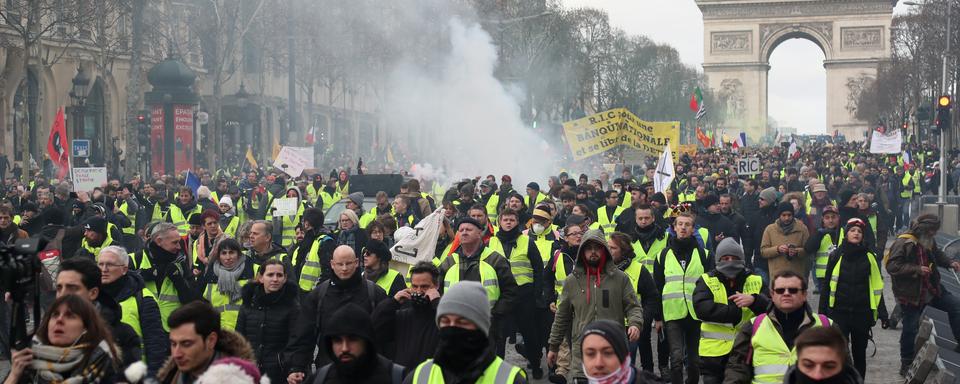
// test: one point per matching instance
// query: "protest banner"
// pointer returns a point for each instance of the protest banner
(293, 160)
(607, 130)
(418, 243)
(86, 179)
(889, 143)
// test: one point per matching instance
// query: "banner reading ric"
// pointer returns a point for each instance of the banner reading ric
(603, 131)
(593, 134)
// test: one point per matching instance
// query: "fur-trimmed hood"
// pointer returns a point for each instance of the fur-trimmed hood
(229, 344)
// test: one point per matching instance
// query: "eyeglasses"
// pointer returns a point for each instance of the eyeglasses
(345, 265)
(574, 234)
(792, 290)
(109, 265)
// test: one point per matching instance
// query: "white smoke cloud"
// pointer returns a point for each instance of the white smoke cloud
(466, 121)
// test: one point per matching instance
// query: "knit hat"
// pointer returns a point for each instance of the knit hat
(351, 215)
(819, 187)
(659, 197)
(232, 370)
(785, 207)
(610, 331)
(314, 216)
(195, 219)
(845, 197)
(489, 184)
(356, 198)
(855, 222)
(378, 249)
(729, 247)
(533, 186)
(467, 189)
(710, 199)
(226, 199)
(466, 299)
(574, 220)
(471, 221)
(769, 195)
(96, 224)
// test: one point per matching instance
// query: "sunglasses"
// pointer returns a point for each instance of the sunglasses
(792, 290)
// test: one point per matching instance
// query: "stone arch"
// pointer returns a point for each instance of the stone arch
(772, 35)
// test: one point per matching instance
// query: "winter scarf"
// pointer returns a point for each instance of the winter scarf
(623, 375)
(786, 228)
(52, 363)
(228, 278)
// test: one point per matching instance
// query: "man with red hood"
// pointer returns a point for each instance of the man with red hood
(596, 290)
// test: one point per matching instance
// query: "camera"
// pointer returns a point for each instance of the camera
(419, 299)
(18, 265)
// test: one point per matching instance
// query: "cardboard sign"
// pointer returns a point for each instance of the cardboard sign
(286, 206)
(86, 179)
(293, 160)
(748, 166)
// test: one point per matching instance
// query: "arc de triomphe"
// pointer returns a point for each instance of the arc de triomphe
(740, 35)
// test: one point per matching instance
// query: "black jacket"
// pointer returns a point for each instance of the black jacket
(757, 223)
(411, 332)
(717, 224)
(647, 292)
(156, 344)
(853, 286)
(267, 320)
(315, 312)
(368, 367)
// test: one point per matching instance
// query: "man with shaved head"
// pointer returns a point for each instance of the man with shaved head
(345, 285)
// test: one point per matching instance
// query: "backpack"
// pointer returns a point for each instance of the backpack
(322, 292)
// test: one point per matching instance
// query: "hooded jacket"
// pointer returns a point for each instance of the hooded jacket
(589, 294)
(370, 367)
(266, 320)
(156, 345)
(229, 344)
(904, 264)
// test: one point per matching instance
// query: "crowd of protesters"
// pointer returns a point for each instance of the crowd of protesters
(708, 279)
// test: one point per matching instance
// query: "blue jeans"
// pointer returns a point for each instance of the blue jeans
(911, 321)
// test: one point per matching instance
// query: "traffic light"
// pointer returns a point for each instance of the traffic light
(944, 103)
(143, 129)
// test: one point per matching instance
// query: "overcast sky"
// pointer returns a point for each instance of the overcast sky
(797, 86)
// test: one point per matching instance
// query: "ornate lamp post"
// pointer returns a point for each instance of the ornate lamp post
(78, 94)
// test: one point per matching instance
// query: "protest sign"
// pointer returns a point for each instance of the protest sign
(286, 206)
(293, 160)
(889, 143)
(86, 179)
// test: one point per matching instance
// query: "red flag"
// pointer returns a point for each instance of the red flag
(57, 145)
(310, 135)
(703, 138)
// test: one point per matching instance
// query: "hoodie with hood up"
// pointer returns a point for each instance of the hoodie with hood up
(370, 367)
(593, 293)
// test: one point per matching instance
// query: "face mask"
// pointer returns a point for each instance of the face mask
(457, 348)
(731, 269)
(621, 375)
(538, 228)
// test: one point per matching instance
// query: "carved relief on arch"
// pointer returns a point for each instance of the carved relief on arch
(731, 95)
(731, 42)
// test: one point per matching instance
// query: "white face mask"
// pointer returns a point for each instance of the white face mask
(538, 228)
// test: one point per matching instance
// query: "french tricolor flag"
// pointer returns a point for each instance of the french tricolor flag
(740, 141)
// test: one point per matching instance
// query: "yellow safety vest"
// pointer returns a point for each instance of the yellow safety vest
(876, 283)
(905, 191)
(17, 219)
(168, 299)
(498, 372)
(288, 232)
(540, 197)
(95, 251)
(716, 339)
(827, 244)
(229, 309)
(608, 223)
(488, 275)
(633, 271)
(518, 257)
(627, 200)
(771, 357)
(647, 257)
(916, 181)
(179, 218)
(344, 190)
(492, 204)
(310, 273)
(679, 285)
(544, 246)
(232, 227)
(689, 196)
(132, 216)
(872, 219)
(559, 275)
(130, 312)
(386, 281)
(328, 198)
(312, 193)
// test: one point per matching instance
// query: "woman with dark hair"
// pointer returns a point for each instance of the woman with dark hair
(603, 351)
(226, 274)
(822, 357)
(270, 308)
(72, 344)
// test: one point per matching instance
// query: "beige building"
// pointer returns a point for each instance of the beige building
(257, 115)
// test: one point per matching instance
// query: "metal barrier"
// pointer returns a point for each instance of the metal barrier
(949, 212)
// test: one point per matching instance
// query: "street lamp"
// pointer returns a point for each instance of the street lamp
(942, 198)
(78, 94)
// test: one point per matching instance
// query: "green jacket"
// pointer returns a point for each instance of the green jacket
(614, 299)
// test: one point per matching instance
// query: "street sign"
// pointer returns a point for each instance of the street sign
(81, 148)
(748, 166)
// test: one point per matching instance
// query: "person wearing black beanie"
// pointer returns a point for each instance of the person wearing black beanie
(376, 268)
(596, 340)
(349, 338)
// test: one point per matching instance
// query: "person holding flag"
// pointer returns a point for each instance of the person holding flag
(57, 145)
